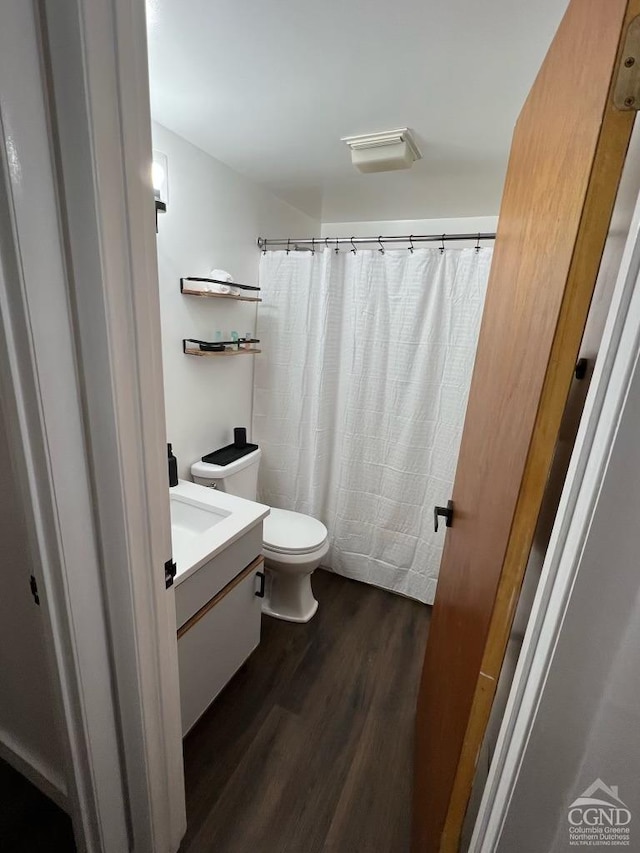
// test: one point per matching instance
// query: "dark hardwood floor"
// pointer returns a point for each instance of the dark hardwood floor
(29, 821)
(309, 747)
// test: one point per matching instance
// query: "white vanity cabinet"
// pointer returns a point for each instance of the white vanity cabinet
(217, 548)
(215, 642)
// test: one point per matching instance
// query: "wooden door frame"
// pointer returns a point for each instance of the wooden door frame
(617, 360)
(82, 374)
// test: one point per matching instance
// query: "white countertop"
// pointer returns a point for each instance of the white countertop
(190, 552)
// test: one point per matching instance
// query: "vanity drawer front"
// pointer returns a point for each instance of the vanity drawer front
(194, 591)
(216, 641)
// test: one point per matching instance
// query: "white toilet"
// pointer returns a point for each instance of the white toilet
(293, 544)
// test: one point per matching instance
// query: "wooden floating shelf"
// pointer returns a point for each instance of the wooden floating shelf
(221, 295)
(188, 291)
(211, 354)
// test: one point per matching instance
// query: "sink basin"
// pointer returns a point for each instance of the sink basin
(204, 522)
(191, 519)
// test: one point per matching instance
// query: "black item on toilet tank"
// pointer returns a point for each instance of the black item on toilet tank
(232, 452)
(173, 467)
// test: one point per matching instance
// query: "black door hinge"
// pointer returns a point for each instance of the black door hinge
(581, 368)
(34, 590)
(170, 570)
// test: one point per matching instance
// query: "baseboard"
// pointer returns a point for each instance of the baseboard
(39, 774)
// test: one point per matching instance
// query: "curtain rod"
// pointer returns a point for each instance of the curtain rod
(329, 242)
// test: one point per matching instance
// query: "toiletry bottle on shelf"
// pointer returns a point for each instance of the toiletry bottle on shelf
(173, 467)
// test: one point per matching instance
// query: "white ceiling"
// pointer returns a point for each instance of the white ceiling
(269, 88)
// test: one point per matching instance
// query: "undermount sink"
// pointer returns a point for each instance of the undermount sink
(190, 520)
(204, 522)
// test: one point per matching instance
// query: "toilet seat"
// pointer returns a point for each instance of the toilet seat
(287, 532)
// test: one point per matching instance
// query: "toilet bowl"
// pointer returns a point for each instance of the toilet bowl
(294, 544)
(293, 547)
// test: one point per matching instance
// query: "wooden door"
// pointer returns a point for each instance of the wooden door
(566, 158)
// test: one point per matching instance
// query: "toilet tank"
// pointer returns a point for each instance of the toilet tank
(238, 478)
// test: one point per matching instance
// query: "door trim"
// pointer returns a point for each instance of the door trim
(605, 401)
(83, 374)
(99, 82)
(44, 419)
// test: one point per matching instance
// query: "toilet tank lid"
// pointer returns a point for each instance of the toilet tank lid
(216, 472)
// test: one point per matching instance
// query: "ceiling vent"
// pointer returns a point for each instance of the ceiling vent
(383, 152)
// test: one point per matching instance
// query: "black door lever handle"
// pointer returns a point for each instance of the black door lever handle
(445, 512)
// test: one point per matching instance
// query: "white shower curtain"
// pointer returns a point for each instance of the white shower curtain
(360, 395)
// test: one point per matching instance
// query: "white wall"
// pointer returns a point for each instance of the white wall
(214, 216)
(29, 735)
(461, 225)
(213, 219)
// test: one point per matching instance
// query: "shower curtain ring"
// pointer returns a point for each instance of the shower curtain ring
(353, 247)
(442, 244)
(264, 247)
(288, 246)
(478, 243)
(313, 245)
(381, 249)
(337, 247)
(326, 242)
(411, 243)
